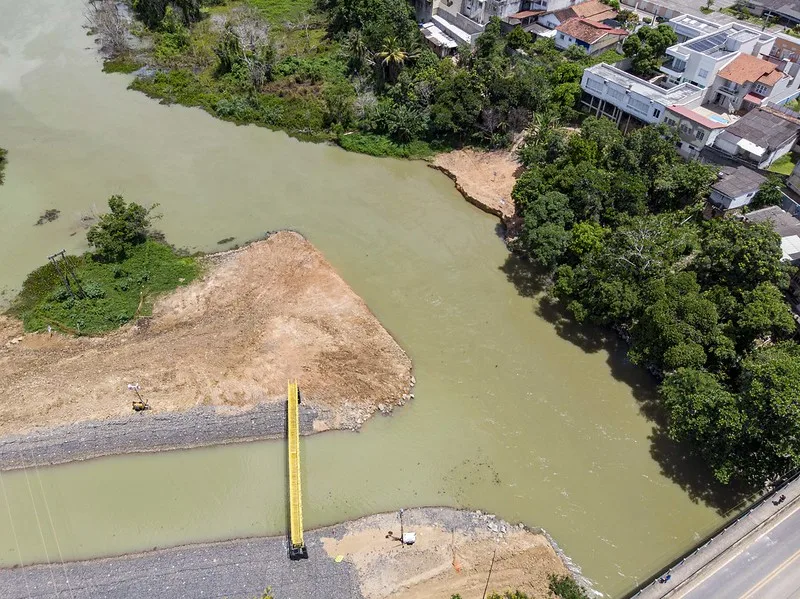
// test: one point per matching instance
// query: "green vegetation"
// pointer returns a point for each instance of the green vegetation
(111, 286)
(769, 194)
(614, 222)
(3, 162)
(646, 47)
(353, 71)
(784, 165)
(561, 587)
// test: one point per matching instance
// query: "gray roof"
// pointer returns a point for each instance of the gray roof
(736, 181)
(790, 8)
(783, 223)
(680, 94)
(765, 129)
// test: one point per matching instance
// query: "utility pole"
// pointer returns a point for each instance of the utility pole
(66, 273)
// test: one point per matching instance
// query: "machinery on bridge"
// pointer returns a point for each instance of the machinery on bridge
(297, 548)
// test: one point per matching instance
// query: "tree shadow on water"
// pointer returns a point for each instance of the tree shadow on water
(693, 476)
(675, 460)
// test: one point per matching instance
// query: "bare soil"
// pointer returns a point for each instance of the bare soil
(445, 560)
(272, 311)
(486, 179)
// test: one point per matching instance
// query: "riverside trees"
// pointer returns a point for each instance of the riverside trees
(615, 222)
(358, 67)
(3, 161)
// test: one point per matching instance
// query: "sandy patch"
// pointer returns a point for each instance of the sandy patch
(486, 179)
(445, 561)
(259, 316)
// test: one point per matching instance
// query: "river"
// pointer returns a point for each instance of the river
(510, 414)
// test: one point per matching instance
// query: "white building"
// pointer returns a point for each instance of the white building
(620, 96)
(698, 60)
(735, 187)
(761, 136)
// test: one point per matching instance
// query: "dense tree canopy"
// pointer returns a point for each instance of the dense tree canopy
(118, 231)
(616, 222)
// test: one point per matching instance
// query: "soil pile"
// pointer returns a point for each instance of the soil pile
(263, 314)
(453, 553)
(485, 179)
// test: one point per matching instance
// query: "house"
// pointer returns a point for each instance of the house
(592, 10)
(592, 37)
(748, 81)
(699, 59)
(786, 12)
(761, 136)
(626, 99)
(688, 27)
(735, 187)
(697, 128)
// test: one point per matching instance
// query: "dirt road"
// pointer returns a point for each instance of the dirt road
(260, 315)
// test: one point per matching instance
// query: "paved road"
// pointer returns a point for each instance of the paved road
(768, 568)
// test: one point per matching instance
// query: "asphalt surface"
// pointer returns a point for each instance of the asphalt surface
(767, 568)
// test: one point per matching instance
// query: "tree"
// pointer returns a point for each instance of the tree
(647, 46)
(339, 100)
(770, 397)
(118, 231)
(679, 327)
(770, 193)
(518, 38)
(3, 162)
(565, 587)
(763, 315)
(706, 416)
(111, 28)
(393, 58)
(740, 256)
(545, 235)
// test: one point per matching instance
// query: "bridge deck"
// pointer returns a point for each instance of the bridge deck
(297, 548)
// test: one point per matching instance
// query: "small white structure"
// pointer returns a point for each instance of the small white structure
(761, 136)
(735, 187)
(409, 538)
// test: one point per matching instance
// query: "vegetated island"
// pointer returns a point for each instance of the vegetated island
(211, 342)
(453, 555)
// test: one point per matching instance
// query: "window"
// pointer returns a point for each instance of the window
(671, 122)
(561, 36)
(700, 134)
(594, 85)
(656, 112)
(638, 105)
(761, 89)
(702, 73)
(615, 93)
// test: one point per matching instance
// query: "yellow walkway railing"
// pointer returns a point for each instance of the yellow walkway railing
(297, 548)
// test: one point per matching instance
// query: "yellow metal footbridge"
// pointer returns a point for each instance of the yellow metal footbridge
(297, 548)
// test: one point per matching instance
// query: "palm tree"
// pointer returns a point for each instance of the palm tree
(393, 57)
(357, 51)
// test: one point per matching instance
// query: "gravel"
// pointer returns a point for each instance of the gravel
(146, 432)
(239, 569)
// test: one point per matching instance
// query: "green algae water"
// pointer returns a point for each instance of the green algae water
(513, 414)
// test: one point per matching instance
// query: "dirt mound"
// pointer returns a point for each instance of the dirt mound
(445, 560)
(261, 315)
(486, 179)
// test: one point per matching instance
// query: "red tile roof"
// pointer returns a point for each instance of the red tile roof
(526, 13)
(588, 31)
(593, 10)
(746, 68)
(690, 114)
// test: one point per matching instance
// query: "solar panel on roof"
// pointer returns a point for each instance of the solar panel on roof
(701, 45)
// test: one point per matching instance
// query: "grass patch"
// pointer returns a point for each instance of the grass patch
(280, 11)
(743, 16)
(379, 145)
(784, 165)
(121, 64)
(116, 292)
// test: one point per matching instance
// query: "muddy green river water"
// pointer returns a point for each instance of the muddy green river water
(511, 415)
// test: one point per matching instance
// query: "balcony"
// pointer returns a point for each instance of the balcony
(674, 68)
(729, 89)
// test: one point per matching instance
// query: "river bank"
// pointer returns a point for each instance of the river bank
(212, 362)
(452, 554)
